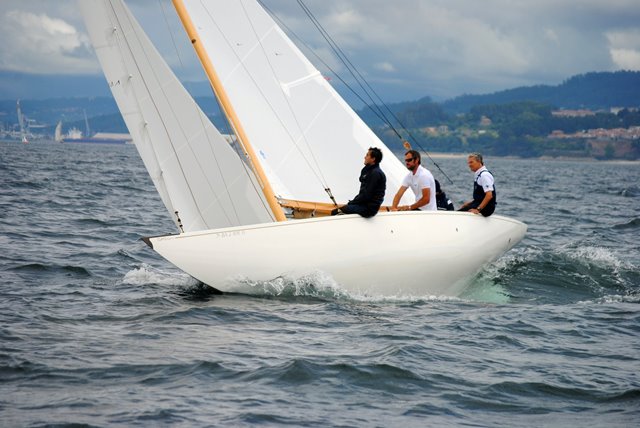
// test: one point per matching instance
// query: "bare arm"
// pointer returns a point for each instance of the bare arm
(424, 200)
(397, 197)
(465, 205)
(426, 196)
(487, 197)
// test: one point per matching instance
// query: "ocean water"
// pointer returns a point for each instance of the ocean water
(97, 330)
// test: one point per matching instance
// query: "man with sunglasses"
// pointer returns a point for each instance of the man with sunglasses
(421, 182)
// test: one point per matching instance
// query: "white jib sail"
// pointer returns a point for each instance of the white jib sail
(195, 170)
(305, 135)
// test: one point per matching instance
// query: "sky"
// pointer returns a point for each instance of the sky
(406, 49)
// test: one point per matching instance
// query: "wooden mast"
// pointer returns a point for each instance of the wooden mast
(229, 111)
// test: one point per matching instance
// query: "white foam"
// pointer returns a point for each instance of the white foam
(318, 284)
(600, 257)
(613, 299)
(403, 299)
(516, 256)
(314, 284)
(597, 255)
(145, 275)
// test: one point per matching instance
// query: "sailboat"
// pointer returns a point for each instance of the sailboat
(21, 122)
(57, 134)
(253, 210)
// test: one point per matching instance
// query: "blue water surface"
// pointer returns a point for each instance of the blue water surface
(97, 330)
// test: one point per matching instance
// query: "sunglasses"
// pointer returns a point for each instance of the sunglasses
(409, 160)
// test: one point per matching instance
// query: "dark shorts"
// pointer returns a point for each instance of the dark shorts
(363, 210)
(486, 211)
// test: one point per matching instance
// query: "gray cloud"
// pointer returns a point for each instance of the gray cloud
(407, 48)
(36, 42)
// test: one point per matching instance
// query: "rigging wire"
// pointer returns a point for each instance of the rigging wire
(319, 175)
(341, 55)
(359, 78)
(321, 60)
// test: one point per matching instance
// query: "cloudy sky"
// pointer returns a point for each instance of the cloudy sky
(407, 49)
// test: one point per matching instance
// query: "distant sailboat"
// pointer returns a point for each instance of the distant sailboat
(86, 123)
(21, 122)
(301, 146)
(57, 137)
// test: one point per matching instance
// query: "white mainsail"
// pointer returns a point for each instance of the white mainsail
(195, 170)
(307, 138)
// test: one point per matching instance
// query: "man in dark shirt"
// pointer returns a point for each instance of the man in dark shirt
(373, 184)
(442, 201)
(484, 188)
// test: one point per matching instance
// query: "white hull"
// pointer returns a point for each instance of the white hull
(392, 254)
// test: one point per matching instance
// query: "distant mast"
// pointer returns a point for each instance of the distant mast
(23, 132)
(58, 133)
(86, 124)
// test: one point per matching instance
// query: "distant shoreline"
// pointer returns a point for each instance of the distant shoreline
(442, 155)
(436, 155)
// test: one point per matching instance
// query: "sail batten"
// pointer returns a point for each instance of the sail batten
(288, 85)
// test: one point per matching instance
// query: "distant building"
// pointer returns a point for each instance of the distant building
(430, 130)
(485, 121)
(75, 136)
(632, 133)
(573, 113)
(616, 110)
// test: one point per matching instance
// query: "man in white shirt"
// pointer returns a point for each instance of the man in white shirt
(421, 182)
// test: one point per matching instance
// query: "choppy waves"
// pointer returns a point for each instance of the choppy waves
(97, 330)
(562, 275)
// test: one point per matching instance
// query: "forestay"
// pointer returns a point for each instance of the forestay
(305, 135)
(195, 170)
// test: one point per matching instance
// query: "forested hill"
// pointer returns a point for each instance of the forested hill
(521, 121)
(596, 90)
